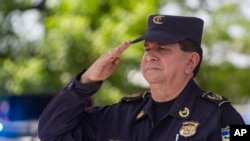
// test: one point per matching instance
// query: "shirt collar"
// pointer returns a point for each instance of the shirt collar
(184, 103)
(182, 107)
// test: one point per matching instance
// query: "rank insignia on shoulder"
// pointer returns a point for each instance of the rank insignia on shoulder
(213, 97)
(133, 97)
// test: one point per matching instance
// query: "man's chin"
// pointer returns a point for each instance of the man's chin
(153, 80)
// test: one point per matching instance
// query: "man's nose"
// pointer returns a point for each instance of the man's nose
(150, 55)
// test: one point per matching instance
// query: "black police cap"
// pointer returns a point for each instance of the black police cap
(170, 29)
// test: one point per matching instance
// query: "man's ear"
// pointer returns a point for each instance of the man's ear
(192, 62)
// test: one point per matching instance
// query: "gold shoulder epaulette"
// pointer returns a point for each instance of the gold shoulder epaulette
(216, 98)
(133, 97)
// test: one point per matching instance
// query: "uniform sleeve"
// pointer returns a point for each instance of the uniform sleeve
(65, 118)
(230, 116)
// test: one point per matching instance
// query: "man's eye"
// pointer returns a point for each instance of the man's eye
(161, 48)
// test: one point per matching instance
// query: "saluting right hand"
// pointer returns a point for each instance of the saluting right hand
(105, 65)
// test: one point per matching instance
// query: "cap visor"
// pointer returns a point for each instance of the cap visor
(136, 40)
(159, 37)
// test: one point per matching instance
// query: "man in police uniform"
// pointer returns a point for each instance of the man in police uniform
(175, 108)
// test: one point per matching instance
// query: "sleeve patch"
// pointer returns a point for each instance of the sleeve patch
(216, 98)
(225, 134)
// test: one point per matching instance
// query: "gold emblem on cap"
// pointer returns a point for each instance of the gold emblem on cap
(215, 96)
(139, 115)
(184, 112)
(158, 19)
(188, 128)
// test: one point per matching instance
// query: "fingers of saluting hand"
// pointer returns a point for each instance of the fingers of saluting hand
(118, 50)
(115, 53)
(103, 67)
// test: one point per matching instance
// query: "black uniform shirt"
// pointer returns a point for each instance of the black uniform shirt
(195, 115)
(160, 109)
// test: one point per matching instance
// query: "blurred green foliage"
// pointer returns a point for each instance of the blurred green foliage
(73, 33)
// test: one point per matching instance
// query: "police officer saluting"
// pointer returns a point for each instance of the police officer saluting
(175, 108)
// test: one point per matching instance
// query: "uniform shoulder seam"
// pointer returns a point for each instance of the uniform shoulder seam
(215, 98)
